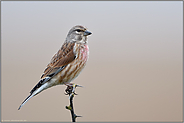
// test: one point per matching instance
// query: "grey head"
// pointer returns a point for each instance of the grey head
(78, 34)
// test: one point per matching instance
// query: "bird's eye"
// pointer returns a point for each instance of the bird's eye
(78, 30)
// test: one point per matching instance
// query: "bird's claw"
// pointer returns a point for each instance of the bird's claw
(71, 89)
(68, 90)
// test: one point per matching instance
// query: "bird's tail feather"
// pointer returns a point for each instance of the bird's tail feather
(29, 97)
(35, 92)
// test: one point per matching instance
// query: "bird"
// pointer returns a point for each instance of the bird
(66, 64)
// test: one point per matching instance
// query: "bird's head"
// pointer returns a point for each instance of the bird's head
(78, 34)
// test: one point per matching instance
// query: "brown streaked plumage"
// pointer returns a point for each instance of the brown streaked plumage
(66, 64)
(63, 57)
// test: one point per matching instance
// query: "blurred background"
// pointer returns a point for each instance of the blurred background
(134, 72)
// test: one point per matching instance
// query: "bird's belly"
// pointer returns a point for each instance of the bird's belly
(73, 70)
(69, 73)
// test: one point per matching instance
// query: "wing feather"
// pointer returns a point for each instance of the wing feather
(62, 58)
(58, 62)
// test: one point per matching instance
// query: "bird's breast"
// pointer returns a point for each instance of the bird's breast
(84, 52)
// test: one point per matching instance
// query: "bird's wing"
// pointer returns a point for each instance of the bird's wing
(59, 61)
(62, 58)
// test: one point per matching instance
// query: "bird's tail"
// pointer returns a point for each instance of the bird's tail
(36, 90)
(29, 97)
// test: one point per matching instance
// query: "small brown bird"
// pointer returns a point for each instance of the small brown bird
(66, 64)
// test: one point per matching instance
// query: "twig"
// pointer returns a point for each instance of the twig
(71, 92)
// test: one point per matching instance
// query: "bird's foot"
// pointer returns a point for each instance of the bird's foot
(71, 89)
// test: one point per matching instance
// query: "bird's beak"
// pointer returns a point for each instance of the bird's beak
(86, 33)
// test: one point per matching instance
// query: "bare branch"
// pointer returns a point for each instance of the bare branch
(71, 92)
